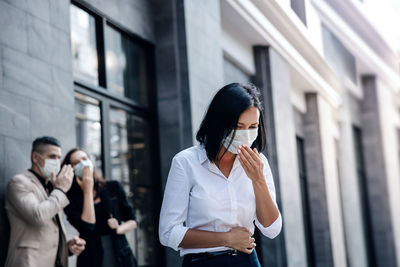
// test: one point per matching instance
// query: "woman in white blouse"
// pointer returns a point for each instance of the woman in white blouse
(218, 190)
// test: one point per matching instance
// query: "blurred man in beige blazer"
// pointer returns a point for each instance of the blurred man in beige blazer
(35, 201)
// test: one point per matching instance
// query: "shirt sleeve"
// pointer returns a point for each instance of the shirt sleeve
(174, 207)
(29, 207)
(274, 229)
(74, 214)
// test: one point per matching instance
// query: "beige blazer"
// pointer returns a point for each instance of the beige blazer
(34, 231)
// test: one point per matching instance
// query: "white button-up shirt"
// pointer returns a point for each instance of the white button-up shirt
(198, 196)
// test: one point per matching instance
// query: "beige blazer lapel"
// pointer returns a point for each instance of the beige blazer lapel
(61, 216)
(38, 184)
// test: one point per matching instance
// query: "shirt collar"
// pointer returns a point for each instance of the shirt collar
(47, 187)
(202, 155)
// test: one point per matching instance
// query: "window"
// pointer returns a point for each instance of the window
(116, 120)
(83, 44)
(126, 66)
(88, 126)
(304, 199)
(299, 8)
(107, 57)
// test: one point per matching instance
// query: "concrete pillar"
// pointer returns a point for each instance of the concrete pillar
(350, 189)
(329, 134)
(376, 175)
(318, 206)
(174, 105)
(388, 114)
(272, 252)
(286, 160)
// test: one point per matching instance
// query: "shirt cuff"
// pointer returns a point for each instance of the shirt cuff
(60, 190)
(273, 230)
(176, 236)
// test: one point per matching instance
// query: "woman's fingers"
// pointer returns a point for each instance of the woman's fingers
(256, 152)
(244, 152)
(113, 223)
(243, 158)
(252, 154)
(242, 162)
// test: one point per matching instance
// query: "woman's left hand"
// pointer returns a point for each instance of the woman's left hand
(112, 222)
(251, 162)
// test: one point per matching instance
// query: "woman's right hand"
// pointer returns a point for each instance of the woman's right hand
(86, 183)
(239, 238)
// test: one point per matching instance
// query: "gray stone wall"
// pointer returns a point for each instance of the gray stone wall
(36, 90)
(174, 104)
(204, 52)
(36, 82)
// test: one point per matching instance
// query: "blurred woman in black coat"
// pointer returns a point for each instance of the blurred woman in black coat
(100, 211)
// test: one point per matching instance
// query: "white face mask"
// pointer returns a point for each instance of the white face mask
(242, 137)
(50, 166)
(78, 168)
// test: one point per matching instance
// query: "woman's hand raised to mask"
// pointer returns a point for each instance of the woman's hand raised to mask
(64, 179)
(239, 238)
(87, 182)
(252, 163)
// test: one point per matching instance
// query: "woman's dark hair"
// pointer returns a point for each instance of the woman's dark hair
(99, 181)
(223, 115)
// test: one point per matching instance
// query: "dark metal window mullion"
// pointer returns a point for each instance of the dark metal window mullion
(101, 54)
(105, 138)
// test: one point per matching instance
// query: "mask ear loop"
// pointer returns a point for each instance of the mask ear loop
(230, 143)
(41, 158)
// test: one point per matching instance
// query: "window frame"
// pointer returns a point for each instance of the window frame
(101, 22)
(109, 99)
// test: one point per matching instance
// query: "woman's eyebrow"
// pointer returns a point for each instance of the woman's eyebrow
(251, 124)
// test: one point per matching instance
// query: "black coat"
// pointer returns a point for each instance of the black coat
(115, 202)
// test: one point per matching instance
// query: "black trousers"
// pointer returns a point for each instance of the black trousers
(240, 260)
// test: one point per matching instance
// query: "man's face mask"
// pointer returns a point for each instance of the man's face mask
(78, 168)
(50, 166)
(242, 137)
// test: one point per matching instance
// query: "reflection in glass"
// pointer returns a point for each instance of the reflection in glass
(125, 66)
(88, 127)
(132, 166)
(83, 44)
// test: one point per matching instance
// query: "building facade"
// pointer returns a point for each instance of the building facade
(130, 81)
